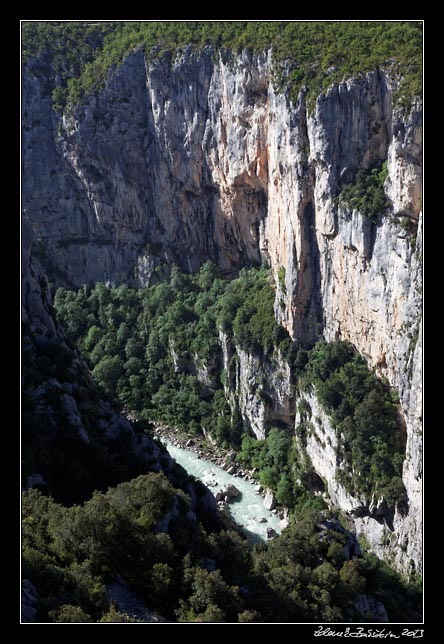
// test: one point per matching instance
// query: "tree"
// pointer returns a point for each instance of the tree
(350, 577)
(269, 477)
(207, 274)
(124, 332)
(212, 614)
(132, 366)
(70, 613)
(107, 373)
(212, 599)
(92, 338)
(284, 491)
(278, 447)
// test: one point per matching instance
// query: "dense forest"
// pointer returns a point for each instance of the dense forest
(158, 350)
(73, 554)
(311, 55)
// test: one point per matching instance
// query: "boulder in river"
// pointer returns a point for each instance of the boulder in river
(269, 501)
(271, 533)
(229, 492)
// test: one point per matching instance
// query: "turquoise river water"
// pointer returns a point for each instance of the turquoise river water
(246, 510)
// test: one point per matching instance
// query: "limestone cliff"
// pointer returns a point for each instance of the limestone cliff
(259, 388)
(391, 534)
(200, 158)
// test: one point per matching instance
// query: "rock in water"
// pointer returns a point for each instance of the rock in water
(229, 492)
(269, 501)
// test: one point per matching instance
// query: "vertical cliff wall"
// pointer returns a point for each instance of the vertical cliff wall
(199, 158)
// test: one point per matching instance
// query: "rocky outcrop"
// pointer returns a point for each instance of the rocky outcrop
(320, 443)
(130, 604)
(258, 387)
(371, 609)
(391, 534)
(29, 601)
(227, 493)
(200, 158)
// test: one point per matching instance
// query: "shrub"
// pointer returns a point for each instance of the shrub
(311, 55)
(366, 193)
(365, 417)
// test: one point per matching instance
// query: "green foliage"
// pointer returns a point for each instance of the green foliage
(254, 324)
(129, 534)
(113, 616)
(69, 613)
(281, 279)
(250, 616)
(313, 55)
(63, 50)
(211, 599)
(112, 535)
(402, 599)
(300, 577)
(284, 490)
(140, 533)
(366, 193)
(145, 346)
(107, 373)
(273, 457)
(364, 415)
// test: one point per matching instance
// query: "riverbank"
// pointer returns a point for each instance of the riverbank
(225, 459)
(236, 498)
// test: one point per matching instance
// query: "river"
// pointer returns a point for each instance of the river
(246, 510)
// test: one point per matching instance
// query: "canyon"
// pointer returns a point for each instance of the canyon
(200, 158)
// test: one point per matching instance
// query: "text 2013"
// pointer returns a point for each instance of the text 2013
(369, 632)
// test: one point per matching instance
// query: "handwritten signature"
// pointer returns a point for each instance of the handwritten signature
(381, 633)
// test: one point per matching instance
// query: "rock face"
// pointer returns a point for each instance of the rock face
(368, 606)
(259, 388)
(390, 534)
(129, 603)
(199, 158)
(320, 444)
(29, 601)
